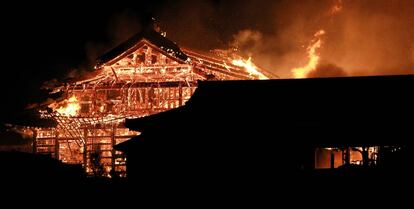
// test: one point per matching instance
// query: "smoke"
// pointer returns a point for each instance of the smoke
(365, 37)
(248, 41)
(373, 38)
(121, 27)
(13, 137)
(193, 23)
(326, 70)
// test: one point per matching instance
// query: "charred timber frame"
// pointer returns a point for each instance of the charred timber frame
(150, 76)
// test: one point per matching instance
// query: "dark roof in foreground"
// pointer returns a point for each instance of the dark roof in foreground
(353, 110)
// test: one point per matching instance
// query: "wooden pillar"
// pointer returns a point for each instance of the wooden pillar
(34, 145)
(365, 156)
(93, 105)
(85, 149)
(346, 152)
(113, 157)
(332, 159)
(180, 93)
(56, 144)
(380, 150)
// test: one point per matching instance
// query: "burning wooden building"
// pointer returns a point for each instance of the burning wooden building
(145, 75)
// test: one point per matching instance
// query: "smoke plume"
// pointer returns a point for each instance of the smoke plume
(367, 37)
(326, 70)
(120, 28)
(248, 41)
(363, 37)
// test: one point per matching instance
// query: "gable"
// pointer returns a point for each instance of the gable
(143, 53)
(146, 62)
(151, 37)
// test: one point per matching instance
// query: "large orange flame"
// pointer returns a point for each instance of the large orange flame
(250, 67)
(313, 56)
(69, 108)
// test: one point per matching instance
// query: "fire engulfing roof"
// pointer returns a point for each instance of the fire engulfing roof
(149, 34)
(220, 61)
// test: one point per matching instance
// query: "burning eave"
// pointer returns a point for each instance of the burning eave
(230, 64)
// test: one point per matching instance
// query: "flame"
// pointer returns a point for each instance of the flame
(316, 44)
(71, 107)
(313, 56)
(250, 67)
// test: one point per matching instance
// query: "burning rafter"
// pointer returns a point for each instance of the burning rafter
(143, 76)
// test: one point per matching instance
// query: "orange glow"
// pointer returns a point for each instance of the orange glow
(126, 89)
(313, 56)
(337, 8)
(70, 108)
(250, 67)
(316, 43)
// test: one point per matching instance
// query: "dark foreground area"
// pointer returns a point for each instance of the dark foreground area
(35, 176)
(234, 141)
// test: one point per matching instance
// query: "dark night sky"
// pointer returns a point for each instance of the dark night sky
(42, 41)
